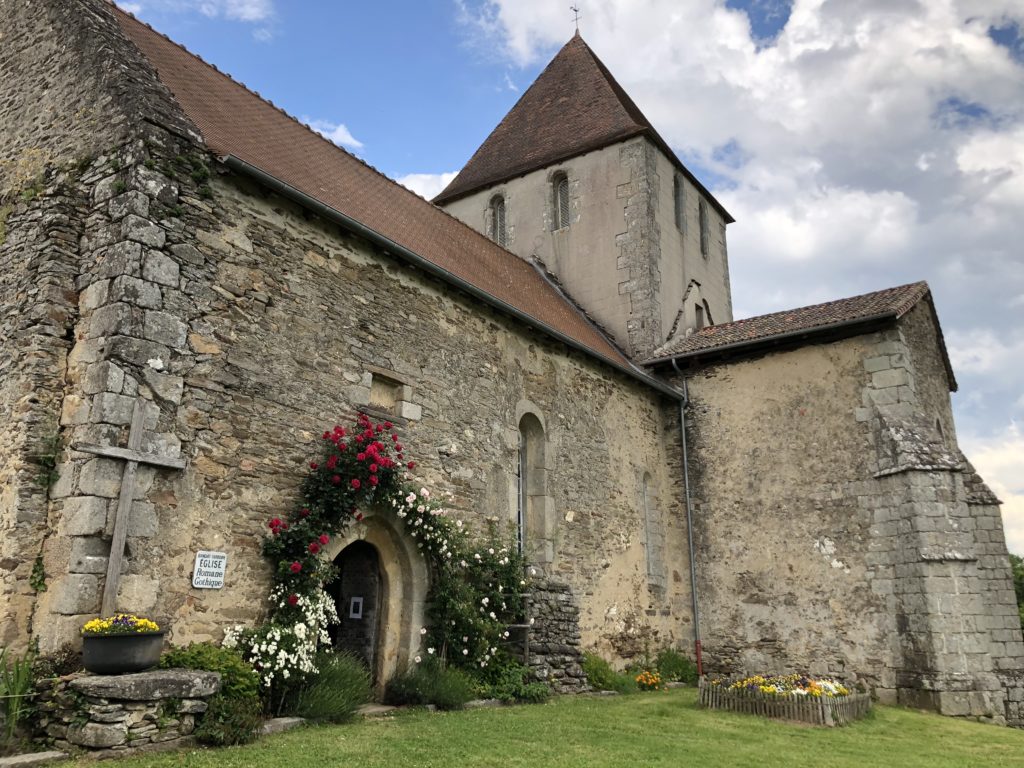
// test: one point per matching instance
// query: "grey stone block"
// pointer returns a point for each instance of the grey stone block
(88, 555)
(115, 319)
(149, 686)
(160, 269)
(102, 377)
(98, 735)
(143, 521)
(164, 328)
(143, 231)
(165, 386)
(109, 408)
(85, 515)
(101, 477)
(76, 594)
(132, 290)
(131, 201)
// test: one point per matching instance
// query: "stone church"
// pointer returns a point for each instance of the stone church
(193, 285)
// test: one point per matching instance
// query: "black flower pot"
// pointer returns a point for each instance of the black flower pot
(121, 654)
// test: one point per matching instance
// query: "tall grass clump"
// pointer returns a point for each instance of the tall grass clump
(341, 686)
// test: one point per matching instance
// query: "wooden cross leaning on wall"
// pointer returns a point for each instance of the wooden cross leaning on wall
(132, 457)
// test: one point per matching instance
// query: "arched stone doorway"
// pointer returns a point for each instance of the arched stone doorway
(401, 582)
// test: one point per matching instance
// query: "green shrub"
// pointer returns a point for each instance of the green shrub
(229, 720)
(334, 695)
(235, 713)
(602, 677)
(430, 683)
(507, 680)
(238, 679)
(675, 667)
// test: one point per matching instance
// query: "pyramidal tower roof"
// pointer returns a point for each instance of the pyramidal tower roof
(574, 106)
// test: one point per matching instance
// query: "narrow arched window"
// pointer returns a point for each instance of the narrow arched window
(498, 232)
(679, 203)
(531, 504)
(705, 235)
(654, 535)
(560, 200)
(698, 320)
(707, 312)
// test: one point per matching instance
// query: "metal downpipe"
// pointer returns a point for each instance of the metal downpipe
(698, 650)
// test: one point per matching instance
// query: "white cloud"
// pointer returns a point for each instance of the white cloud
(336, 132)
(235, 10)
(426, 185)
(998, 461)
(870, 144)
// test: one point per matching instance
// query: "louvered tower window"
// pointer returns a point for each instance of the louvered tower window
(560, 187)
(498, 232)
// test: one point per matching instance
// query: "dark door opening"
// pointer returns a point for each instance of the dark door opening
(357, 595)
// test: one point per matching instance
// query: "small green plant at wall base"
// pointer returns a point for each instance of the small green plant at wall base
(341, 686)
(37, 580)
(676, 667)
(430, 682)
(602, 677)
(237, 677)
(16, 682)
(229, 720)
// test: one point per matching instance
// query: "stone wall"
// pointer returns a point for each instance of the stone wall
(72, 92)
(878, 553)
(118, 715)
(556, 653)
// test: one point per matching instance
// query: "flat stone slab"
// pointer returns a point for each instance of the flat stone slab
(280, 724)
(150, 686)
(375, 710)
(32, 759)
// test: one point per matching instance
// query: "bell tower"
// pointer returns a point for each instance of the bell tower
(576, 177)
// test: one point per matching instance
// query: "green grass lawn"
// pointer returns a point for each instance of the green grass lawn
(650, 729)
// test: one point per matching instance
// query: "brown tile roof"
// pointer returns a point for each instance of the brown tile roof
(891, 303)
(235, 121)
(574, 106)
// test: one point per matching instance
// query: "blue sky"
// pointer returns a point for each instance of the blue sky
(858, 144)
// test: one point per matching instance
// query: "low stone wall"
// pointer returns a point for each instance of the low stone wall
(556, 656)
(112, 715)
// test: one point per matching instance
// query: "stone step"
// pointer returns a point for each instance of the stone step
(32, 759)
(281, 724)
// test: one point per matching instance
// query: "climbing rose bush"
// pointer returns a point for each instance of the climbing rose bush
(476, 583)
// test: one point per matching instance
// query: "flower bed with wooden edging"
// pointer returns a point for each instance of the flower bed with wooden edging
(816, 710)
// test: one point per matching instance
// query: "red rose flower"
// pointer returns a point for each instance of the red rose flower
(398, 447)
(324, 538)
(336, 479)
(342, 447)
(284, 527)
(373, 467)
(332, 462)
(293, 599)
(379, 428)
(275, 522)
(295, 567)
(359, 515)
(411, 465)
(394, 437)
(314, 547)
(327, 435)
(373, 480)
(388, 425)
(312, 465)
(355, 483)
(359, 438)
(303, 513)
(360, 457)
